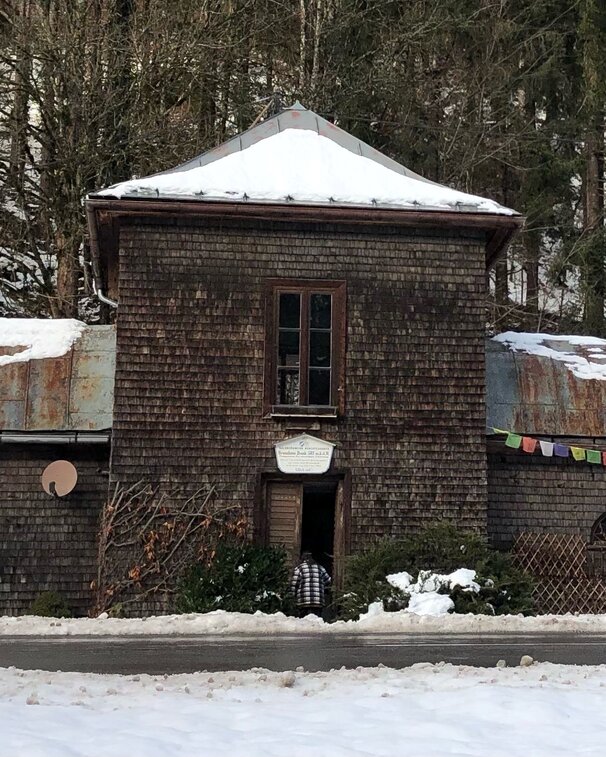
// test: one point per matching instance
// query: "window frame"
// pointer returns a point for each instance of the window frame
(305, 287)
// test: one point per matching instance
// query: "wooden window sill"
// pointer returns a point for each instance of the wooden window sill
(310, 411)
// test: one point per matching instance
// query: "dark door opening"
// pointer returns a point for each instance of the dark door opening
(318, 523)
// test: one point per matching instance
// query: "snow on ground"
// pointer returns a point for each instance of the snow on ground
(584, 356)
(431, 710)
(38, 338)
(299, 165)
(374, 621)
(424, 593)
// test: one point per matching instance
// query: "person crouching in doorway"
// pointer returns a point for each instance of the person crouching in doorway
(308, 585)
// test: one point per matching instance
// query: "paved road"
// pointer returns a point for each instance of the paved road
(172, 654)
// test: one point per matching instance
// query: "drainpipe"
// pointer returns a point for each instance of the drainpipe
(101, 297)
(92, 225)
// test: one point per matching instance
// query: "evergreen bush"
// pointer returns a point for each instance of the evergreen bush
(50, 604)
(243, 578)
(442, 548)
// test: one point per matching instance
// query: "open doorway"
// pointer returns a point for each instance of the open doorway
(318, 522)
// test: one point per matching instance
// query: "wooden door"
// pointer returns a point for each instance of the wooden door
(284, 508)
(340, 544)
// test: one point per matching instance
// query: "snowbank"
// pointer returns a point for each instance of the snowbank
(221, 622)
(566, 349)
(299, 165)
(439, 710)
(425, 598)
(38, 338)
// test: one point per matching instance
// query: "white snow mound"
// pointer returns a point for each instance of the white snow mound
(439, 710)
(584, 356)
(38, 338)
(300, 165)
(219, 622)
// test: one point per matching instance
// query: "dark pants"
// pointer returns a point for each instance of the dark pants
(304, 610)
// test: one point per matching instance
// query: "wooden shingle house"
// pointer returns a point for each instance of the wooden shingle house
(300, 322)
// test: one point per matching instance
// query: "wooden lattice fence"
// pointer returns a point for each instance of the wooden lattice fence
(570, 576)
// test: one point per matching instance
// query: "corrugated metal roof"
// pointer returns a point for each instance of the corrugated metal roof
(534, 394)
(74, 392)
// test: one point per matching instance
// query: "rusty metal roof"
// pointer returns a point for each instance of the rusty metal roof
(525, 393)
(74, 392)
(535, 394)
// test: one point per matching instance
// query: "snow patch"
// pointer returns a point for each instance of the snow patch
(401, 581)
(375, 620)
(37, 338)
(430, 603)
(425, 598)
(440, 710)
(300, 165)
(565, 349)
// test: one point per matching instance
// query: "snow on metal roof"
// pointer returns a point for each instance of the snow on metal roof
(56, 375)
(546, 384)
(299, 157)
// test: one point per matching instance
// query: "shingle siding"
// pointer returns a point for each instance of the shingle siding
(46, 543)
(542, 494)
(190, 364)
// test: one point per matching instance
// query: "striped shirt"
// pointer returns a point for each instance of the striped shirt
(308, 583)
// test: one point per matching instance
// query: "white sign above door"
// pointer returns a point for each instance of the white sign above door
(304, 454)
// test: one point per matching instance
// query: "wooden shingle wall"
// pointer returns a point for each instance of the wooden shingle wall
(49, 544)
(542, 494)
(189, 378)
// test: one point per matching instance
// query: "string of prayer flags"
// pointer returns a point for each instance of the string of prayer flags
(547, 448)
(594, 456)
(513, 440)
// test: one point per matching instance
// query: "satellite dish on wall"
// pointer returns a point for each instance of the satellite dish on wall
(59, 478)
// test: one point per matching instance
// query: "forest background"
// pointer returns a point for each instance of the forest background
(503, 98)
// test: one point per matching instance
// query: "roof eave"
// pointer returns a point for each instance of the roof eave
(103, 210)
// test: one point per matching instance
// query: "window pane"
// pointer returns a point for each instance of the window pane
(288, 387)
(288, 348)
(319, 387)
(319, 311)
(319, 349)
(290, 310)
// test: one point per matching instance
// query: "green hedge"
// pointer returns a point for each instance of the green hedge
(242, 578)
(50, 604)
(442, 548)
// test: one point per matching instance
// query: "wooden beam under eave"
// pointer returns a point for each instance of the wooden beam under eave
(500, 229)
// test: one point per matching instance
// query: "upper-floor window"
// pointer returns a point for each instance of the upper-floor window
(305, 346)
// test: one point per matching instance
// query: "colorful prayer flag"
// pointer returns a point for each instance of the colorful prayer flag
(529, 445)
(499, 431)
(513, 440)
(603, 458)
(594, 456)
(561, 450)
(578, 453)
(547, 449)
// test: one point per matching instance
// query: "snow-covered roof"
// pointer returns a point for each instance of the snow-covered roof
(584, 356)
(546, 384)
(26, 339)
(55, 375)
(299, 157)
